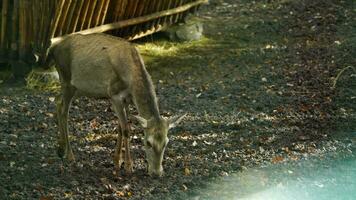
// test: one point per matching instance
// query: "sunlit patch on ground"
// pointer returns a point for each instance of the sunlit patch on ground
(309, 179)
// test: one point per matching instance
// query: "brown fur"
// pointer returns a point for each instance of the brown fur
(103, 66)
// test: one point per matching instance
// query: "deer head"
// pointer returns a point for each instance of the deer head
(156, 140)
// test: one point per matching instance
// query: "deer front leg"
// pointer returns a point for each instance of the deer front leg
(123, 138)
(118, 151)
(128, 159)
(63, 104)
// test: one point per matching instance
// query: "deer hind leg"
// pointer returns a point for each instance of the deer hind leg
(63, 103)
(128, 159)
(118, 102)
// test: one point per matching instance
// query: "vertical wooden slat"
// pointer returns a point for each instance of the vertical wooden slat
(116, 9)
(76, 15)
(133, 13)
(170, 19)
(91, 13)
(14, 35)
(83, 15)
(123, 9)
(22, 31)
(98, 10)
(120, 9)
(41, 19)
(105, 12)
(29, 22)
(154, 7)
(63, 18)
(175, 18)
(57, 17)
(70, 19)
(171, 4)
(138, 12)
(127, 13)
(4, 23)
(160, 6)
(49, 22)
(34, 23)
(142, 27)
(46, 16)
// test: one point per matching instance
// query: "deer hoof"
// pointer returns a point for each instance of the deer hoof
(65, 153)
(117, 161)
(128, 168)
(70, 156)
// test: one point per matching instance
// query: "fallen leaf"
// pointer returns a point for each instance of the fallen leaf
(186, 171)
(277, 159)
(46, 198)
(120, 194)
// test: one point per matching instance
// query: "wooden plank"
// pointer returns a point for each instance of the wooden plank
(57, 17)
(76, 15)
(142, 27)
(135, 13)
(140, 4)
(124, 7)
(121, 13)
(152, 9)
(14, 36)
(91, 14)
(22, 31)
(3, 23)
(148, 32)
(175, 18)
(169, 19)
(98, 10)
(137, 20)
(160, 7)
(127, 14)
(69, 21)
(115, 9)
(84, 14)
(49, 23)
(63, 18)
(104, 12)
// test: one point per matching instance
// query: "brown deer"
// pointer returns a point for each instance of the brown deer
(103, 66)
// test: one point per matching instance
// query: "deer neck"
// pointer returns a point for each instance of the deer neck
(144, 95)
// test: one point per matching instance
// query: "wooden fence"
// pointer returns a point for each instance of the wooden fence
(27, 26)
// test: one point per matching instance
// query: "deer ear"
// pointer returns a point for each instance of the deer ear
(141, 120)
(174, 121)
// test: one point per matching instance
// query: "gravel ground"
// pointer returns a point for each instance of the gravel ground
(251, 95)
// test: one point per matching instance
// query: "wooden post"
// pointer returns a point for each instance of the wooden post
(3, 24)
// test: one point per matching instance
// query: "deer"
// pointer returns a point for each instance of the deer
(103, 66)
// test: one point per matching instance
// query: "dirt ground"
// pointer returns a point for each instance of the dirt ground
(258, 89)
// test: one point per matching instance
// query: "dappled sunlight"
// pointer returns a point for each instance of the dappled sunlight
(171, 49)
(314, 179)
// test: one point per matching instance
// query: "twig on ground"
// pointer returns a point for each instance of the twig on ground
(339, 74)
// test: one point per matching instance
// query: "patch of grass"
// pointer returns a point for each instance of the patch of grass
(152, 51)
(43, 80)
